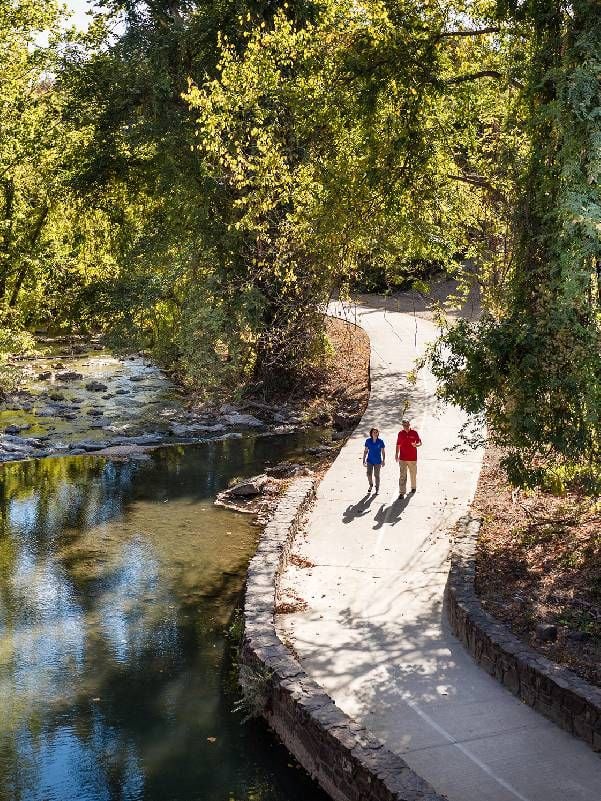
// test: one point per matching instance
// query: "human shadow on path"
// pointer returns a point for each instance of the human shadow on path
(359, 509)
(391, 514)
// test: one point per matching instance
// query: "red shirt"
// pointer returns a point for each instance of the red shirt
(406, 445)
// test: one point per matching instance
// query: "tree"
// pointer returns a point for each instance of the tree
(27, 144)
(533, 368)
(327, 145)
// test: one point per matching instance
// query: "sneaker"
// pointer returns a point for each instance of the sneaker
(401, 496)
(413, 490)
(370, 486)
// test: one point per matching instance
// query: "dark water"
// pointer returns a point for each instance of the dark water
(118, 582)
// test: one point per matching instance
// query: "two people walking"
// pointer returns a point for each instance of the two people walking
(374, 457)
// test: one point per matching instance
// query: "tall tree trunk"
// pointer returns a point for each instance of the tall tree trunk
(9, 197)
(35, 235)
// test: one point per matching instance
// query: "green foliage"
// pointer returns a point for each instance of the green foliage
(533, 367)
(204, 179)
(13, 340)
(326, 147)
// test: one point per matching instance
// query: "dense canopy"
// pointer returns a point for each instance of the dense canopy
(200, 178)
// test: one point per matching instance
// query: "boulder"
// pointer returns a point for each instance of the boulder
(69, 375)
(238, 419)
(45, 375)
(122, 392)
(136, 378)
(10, 457)
(578, 636)
(94, 412)
(56, 396)
(15, 429)
(194, 429)
(88, 445)
(148, 439)
(11, 441)
(96, 386)
(284, 470)
(321, 450)
(343, 421)
(546, 632)
(10, 447)
(250, 487)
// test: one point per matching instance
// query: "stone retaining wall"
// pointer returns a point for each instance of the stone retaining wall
(348, 762)
(551, 689)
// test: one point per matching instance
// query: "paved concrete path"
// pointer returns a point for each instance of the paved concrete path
(374, 633)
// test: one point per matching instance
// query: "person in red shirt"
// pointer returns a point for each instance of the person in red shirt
(407, 443)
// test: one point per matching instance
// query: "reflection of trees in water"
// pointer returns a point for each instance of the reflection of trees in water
(71, 521)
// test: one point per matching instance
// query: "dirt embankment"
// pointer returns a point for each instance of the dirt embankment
(539, 561)
(333, 400)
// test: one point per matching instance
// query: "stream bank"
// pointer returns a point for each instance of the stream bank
(81, 399)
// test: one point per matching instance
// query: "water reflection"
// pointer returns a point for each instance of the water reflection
(117, 584)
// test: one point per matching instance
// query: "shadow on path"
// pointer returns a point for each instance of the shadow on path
(359, 509)
(391, 514)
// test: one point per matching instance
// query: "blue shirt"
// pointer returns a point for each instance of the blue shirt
(375, 449)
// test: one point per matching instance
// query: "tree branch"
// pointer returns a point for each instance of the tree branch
(474, 32)
(481, 183)
(474, 76)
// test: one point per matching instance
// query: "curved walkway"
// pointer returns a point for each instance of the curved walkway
(374, 633)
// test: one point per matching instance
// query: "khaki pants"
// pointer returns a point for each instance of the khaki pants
(404, 466)
(373, 469)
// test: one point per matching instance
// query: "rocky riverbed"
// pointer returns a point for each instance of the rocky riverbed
(90, 401)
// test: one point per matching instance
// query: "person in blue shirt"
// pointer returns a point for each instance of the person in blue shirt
(374, 458)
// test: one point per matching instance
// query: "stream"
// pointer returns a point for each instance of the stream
(120, 582)
(93, 400)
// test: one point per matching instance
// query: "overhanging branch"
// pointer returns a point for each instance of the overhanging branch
(467, 32)
(475, 76)
(480, 182)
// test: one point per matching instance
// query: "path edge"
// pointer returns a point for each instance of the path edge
(551, 689)
(347, 761)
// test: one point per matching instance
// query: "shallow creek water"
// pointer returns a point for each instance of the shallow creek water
(118, 583)
(138, 398)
